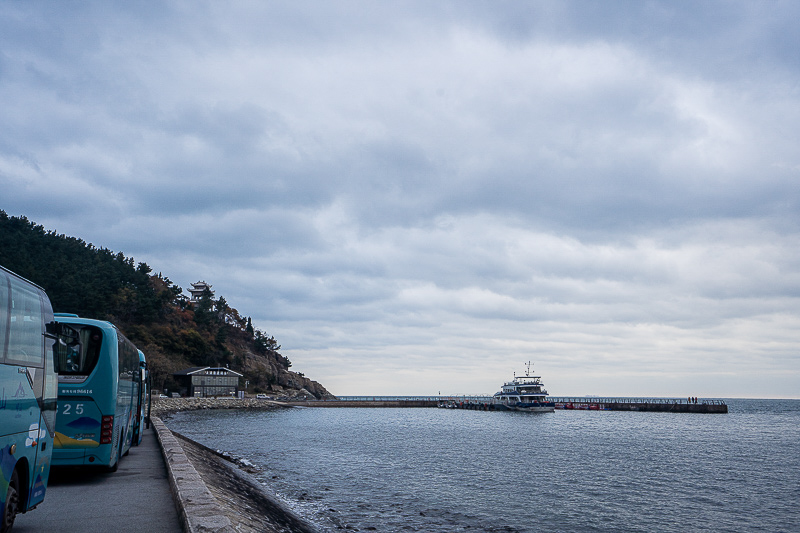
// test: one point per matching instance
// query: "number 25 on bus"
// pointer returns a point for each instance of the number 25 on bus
(100, 379)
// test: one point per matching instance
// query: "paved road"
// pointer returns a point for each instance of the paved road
(135, 498)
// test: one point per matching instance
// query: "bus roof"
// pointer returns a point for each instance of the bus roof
(20, 277)
(72, 318)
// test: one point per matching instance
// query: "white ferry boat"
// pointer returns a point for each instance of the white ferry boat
(524, 393)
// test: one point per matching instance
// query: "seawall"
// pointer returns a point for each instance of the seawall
(361, 403)
(212, 493)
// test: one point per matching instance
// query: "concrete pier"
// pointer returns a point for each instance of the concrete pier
(363, 403)
(653, 405)
(659, 405)
(486, 403)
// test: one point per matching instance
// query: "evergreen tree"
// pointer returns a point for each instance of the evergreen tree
(148, 308)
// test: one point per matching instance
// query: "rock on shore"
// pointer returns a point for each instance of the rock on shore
(165, 406)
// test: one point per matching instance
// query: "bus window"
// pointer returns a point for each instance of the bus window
(79, 350)
(128, 360)
(26, 341)
(3, 316)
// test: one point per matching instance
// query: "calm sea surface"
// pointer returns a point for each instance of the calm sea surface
(437, 470)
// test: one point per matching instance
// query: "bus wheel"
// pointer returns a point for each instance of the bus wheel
(119, 458)
(11, 508)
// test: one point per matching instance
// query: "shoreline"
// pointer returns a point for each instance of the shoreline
(212, 491)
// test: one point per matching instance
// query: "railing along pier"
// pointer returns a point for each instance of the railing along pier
(671, 405)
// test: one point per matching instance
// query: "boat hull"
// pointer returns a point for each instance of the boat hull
(535, 408)
(544, 407)
(538, 407)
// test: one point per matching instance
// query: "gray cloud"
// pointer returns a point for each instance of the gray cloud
(440, 190)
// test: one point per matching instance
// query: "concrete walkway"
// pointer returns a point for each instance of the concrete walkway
(136, 498)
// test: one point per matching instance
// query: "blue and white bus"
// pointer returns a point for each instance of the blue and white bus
(28, 386)
(99, 380)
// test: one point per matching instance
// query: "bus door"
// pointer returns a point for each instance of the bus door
(141, 399)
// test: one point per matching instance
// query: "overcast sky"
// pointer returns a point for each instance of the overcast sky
(420, 197)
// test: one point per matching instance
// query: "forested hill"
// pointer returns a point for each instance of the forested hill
(148, 308)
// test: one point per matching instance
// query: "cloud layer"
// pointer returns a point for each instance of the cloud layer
(417, 198)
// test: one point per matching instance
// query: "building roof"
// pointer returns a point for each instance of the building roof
(198, 289)
(201, 369)
(200, 286)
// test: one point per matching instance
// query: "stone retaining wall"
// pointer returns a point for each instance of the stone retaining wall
(198, 509)
(248, 507)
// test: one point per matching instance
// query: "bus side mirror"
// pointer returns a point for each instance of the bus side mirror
(50, 333)
(67, 340)
(51, 330)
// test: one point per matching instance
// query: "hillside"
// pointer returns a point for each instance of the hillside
(148, 308)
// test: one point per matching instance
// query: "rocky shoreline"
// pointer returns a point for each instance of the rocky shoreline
(163, 407)
(248, 504)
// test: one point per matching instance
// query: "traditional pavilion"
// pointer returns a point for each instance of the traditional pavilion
(197, 291)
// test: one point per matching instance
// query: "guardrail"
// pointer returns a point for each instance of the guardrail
(599, 399)
(407, 398)
(677, 405)
(557, 399)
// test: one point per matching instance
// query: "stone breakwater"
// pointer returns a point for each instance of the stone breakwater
(162, 407)
(213, 492)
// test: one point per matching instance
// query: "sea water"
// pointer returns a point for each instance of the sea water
(440, 470)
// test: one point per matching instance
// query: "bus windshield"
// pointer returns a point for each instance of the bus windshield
(79, 349)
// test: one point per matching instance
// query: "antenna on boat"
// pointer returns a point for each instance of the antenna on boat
(528, 371)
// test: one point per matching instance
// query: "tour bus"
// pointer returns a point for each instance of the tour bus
(99, 379)
(142, 421)
(28, 388)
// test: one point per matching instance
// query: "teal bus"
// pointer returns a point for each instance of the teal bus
(99, 379)
(28, 386)
(143, 404)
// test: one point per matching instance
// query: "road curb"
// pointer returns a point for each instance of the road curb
(198, 509)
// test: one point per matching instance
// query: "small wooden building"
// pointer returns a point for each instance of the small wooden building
(204, 381)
